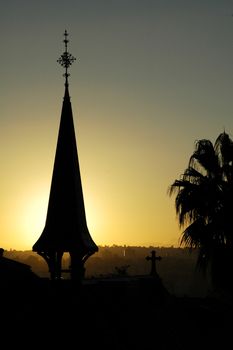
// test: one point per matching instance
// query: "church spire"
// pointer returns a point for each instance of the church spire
(66, 227)
(66, 59)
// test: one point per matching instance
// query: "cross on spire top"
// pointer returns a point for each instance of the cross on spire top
(66, 59)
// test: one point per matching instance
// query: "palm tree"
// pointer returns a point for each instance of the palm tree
(204, 206)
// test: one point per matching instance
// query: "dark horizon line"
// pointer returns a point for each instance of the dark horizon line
(172, 246)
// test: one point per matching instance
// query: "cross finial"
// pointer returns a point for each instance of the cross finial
(66, 59)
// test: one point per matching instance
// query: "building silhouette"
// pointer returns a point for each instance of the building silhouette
(66, 227)
(14, 271)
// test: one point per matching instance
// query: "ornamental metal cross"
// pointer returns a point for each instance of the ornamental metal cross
(153, 259)
(66, 59)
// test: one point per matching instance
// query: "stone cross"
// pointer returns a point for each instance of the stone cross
(153, 259)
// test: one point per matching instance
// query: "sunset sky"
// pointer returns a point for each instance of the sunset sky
(151, 77)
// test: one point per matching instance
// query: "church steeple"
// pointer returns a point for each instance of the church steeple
(66, 227)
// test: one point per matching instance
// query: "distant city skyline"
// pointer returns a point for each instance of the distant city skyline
(150, 79)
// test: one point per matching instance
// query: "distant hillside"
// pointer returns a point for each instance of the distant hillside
(176, 268)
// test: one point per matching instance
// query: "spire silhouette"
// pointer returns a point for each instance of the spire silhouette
(66, 226)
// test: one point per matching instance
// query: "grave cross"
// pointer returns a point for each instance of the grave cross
(153, 259)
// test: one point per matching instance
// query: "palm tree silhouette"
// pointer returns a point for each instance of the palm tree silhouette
(204, 206)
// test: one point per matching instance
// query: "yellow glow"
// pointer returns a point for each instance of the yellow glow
(33, 216)
(121, 208)
(117, 212)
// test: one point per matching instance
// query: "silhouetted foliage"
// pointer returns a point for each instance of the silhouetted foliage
(204, 205)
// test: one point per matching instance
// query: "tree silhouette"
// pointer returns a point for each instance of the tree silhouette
(204, 206)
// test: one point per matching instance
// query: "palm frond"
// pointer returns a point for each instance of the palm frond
(204, 158)
(224, 150)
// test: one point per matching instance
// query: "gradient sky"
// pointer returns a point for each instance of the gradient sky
(151, 77)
